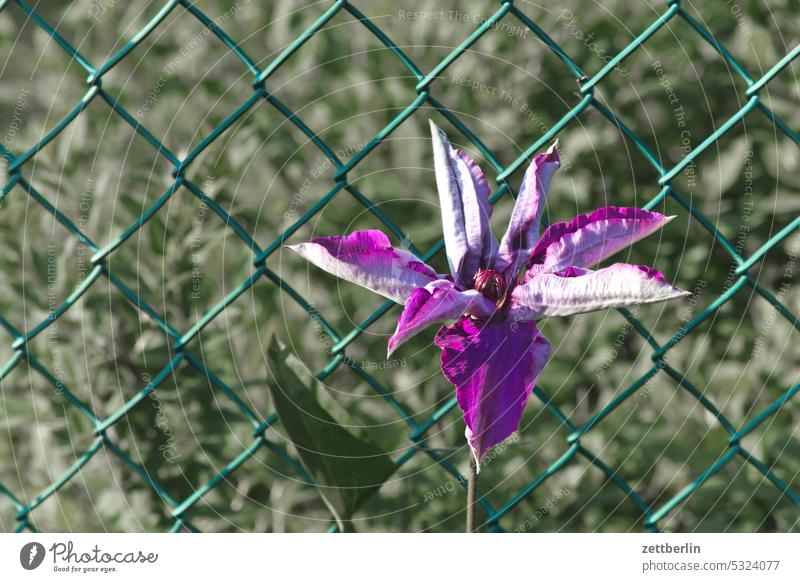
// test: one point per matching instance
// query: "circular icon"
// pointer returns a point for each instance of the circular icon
(31, 555)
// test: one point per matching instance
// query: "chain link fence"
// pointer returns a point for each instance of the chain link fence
(185, 356)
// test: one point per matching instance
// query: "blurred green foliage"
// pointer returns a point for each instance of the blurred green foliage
(508, 89)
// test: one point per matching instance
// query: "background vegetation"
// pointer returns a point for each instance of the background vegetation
(347, 86)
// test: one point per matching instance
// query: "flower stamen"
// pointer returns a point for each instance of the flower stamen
(492, 285)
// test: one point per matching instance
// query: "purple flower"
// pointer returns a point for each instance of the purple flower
(497, 291)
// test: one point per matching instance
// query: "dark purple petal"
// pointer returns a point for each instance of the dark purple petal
(493, 366)
(523, 228)
(367, 258)
(580, 290)
(436, 302)
(588, 239)
(420, 267)
(573, 272)
(465, 207)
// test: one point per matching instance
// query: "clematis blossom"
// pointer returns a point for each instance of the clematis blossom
(496, 292)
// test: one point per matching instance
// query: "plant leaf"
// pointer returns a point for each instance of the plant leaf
(346, 469)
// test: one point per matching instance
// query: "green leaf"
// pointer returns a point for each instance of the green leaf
(346, 469)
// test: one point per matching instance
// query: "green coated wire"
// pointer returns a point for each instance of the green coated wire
(179, 510)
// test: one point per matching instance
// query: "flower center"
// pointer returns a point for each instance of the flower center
(492, 285)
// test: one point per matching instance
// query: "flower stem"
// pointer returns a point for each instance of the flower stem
(472, 479)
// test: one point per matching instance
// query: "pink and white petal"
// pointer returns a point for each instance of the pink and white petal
(437, 302)
(493, 366)
(589, 239)
(465, 208)
(523, 228)
(478, 209)
(367, 258)
(578, 290)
